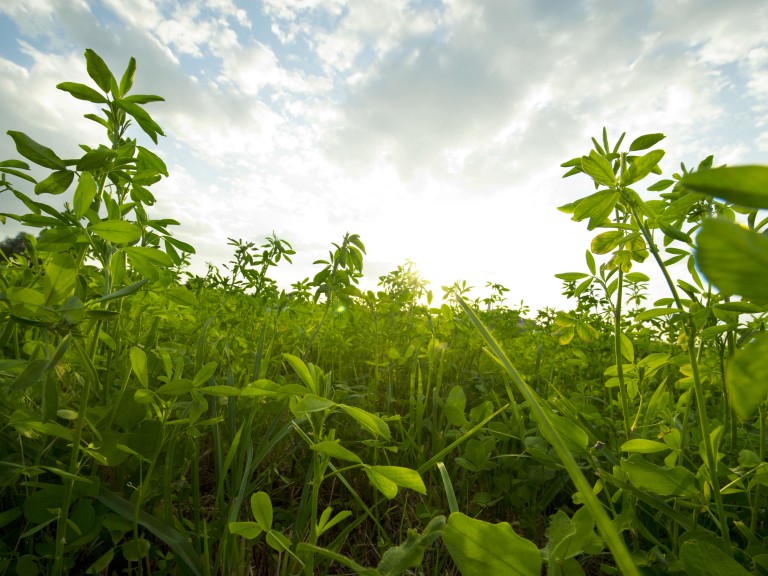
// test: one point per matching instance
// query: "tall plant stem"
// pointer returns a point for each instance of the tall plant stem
(620, 356)
(61, 527)
(701, 401)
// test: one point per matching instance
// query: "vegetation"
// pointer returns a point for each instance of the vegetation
(156, 422)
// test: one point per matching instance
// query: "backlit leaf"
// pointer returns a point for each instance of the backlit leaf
(84, 194)
(82, 92)
(734, 259)
(598, 168)
(35, 152)
(116, 231)
(56, 183)
(742, 185)
(479, 548)
(747, 377)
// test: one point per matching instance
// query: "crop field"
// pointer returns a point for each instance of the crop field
(157, 422)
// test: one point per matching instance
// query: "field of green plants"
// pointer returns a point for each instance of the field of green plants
(157, 422)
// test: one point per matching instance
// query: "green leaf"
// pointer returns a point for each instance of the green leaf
(125, 291)
(641, 167)
(704, 559)
(370, 422)
(455, 405)
(381, 483)
(98, 70)
(143, 99)
(57, 183)
(84, 194)
(60, 278)
(146, 160)
(734, 259)
(312, 403)
(479, 548)
(205, 373)
(143, 119)
(35, 152)
(248, 530)
(646, 141)
(676, 481)
(302, 370)
(116, 231)
(82, 92)
(674, 233)
(591, 262)
(742, 185)
(333, 449)
(643, 446)
(597, 207)
(660, 186)
(655, 313)
(636, 277)
(747, 377)
(181, 295)
(403, 477)
(261, 506)
(126, 82)
(598, 168)
(571, 276)
(96, 159)
(139, 365)
(604, 242)
(135, 549)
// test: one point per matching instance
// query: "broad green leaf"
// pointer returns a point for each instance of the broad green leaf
(655, 313)
(704, 559)
(57, 183)
(60, 278)
(455, 405)
(248, 530)
(146, 160)
(598, 168)
(742, 185)
(181, 295)
(604, 242)
(636, 277)
(370, 422)
(747, 377)
(642, 446)
(116, 231)
(335, 450)
(143, 119)
(571, 276)
(261, 506)
(641, 167)
(597, 207)
(98, 70)
(676, 481)
(205, 373)
(734, 259)
(660, 186)
(153, 255)
(403, 477)
(126, 82)
(569, 433)
(176, 388)
(480, 549)
(96, 159)
(627, 350)
(143, 99)
(312, 403)
(381, 483)
(35, 152)
(278, 541)
(82, 92)
(646, 141)
(135, 549)
(84, 194)
(139, 365)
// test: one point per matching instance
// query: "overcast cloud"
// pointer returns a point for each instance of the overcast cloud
(433, 129)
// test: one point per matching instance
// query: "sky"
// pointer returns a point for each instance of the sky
(433, 129)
